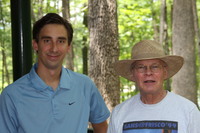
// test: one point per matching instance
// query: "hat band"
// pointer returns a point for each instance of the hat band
(147, 56)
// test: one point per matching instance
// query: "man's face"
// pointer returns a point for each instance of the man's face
(149, 75)
(52, 46)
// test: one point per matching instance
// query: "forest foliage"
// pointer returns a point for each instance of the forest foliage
(135, 23)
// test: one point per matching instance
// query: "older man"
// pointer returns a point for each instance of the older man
(153, 110)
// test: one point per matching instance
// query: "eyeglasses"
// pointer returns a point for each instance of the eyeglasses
(155, 68)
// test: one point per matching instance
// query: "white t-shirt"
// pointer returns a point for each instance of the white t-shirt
(174, 114)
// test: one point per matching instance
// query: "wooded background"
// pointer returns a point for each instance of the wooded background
(106, 30)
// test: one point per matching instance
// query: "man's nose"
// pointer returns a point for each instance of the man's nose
(148, 70)
(54, 47)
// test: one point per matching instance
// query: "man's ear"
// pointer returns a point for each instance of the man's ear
(165, 72)
(132, 76)
(69, 47)
(35, 45)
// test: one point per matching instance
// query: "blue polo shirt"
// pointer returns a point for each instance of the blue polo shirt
(30, 106)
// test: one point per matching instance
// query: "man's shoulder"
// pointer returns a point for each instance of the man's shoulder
(13, 87)
(181, 101)
(178, 98)
(77, 75)
(126, 104)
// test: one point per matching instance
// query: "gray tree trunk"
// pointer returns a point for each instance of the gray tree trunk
(164, 40)
(104, 48)
(66, 15)
(154, 22)
(184, 83)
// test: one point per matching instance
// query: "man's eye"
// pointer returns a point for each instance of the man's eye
(46, 41)
(155, 67)
(61, 41)
(140, 67)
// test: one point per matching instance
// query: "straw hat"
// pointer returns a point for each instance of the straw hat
(148, 49)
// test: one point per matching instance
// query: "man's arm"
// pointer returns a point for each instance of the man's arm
(194, 121)
(100, 127)
(7, 115)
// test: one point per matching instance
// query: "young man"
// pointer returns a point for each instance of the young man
(153, 110)
(52, 99)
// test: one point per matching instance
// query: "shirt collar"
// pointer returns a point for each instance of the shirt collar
(39, 84)
(65, 79)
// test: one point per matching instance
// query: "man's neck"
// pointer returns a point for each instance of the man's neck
(153, 98)
(50, 76)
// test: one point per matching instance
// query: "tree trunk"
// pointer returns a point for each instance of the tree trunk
(5, 72)
(164, 34)
(184, 82)
(66, 15)
(163, 25)
(85, 56)
(197, 35)
(104, 48)
(66, 9)
(85, 44)
(154, 22)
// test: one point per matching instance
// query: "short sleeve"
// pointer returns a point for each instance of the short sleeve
(98, 109)
(194, 121)
(8, 119)
(111, 126)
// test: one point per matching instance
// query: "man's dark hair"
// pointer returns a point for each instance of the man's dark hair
(52, 18)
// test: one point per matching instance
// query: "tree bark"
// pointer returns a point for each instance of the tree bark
(164, 34)
(163, 25)
(104, 48)
(184, 82)
(196, 26)
(5, 72)
(85, 44)
(66, 15)
(85, 55)
(154, 22)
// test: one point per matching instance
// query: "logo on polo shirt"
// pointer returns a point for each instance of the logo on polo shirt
(71, 103)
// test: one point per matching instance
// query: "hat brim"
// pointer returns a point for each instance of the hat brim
(174, 63)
